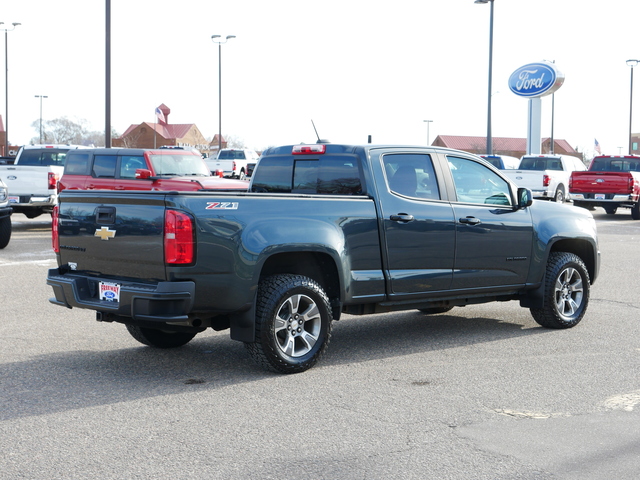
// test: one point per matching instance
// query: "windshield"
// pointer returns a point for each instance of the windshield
(177, 164)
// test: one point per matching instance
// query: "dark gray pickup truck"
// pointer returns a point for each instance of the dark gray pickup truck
(324, 229)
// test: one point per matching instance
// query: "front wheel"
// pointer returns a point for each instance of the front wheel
(566, 292)
(5, 231)
(293, 324)
(160, 338)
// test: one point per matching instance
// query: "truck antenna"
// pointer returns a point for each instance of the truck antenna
(316, 130)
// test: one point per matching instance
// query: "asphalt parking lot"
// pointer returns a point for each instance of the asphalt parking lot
(481, 392)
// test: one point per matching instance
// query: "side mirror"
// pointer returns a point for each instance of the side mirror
(525, 197)
(142, 173)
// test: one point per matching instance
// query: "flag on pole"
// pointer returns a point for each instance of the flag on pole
(597, 146)
(160, 116)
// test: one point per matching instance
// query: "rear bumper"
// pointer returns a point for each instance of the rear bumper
(156, 302)
(608, 198)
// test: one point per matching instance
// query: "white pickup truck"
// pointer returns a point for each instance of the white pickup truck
(547, 176)
(33, 178)
(232, 162)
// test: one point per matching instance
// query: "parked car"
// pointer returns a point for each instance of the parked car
(232, 162)
(611, 182)
(5, 216)
(141, 169)
(33, 178)
(325, 230)
(547, 176)
(503, 162)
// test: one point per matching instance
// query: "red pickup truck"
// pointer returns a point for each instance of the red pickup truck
(141, 169)
(610, 182)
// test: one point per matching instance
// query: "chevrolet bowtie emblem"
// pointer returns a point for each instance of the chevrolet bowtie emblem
(104, 233)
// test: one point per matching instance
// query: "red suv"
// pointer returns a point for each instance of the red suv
(141, 169)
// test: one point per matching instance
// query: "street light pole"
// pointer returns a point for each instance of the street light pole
(218, 39)
(632, 64)
(6, 85)
(489, 139)
(427, 122)
(41, 97)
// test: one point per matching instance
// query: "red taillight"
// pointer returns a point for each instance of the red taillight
(631, 183)
(546, 180)
(308, 149)
(55, 239)
(234, 166)
(179, 244)
(53, 180)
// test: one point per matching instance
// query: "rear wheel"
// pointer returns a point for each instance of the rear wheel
(293, 324)
(160, 338)
(559, 196)
(566, 292)
(635, 211)
(5, 231)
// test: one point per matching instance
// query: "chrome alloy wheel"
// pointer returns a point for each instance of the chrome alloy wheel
(568, 292)
(297, 325)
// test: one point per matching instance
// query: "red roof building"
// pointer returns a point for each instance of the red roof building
(162, 133)
(513, 147)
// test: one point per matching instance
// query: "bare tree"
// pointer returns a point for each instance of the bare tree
(66, 131)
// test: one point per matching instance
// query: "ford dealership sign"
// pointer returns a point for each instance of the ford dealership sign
(536, 80)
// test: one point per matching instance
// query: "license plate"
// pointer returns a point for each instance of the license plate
(599, 196)
(13, 199)
(109, 292)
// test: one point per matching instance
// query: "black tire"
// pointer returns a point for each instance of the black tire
(160, 338)
(559, 196)
(566, 292)
(435, 310)
(610, 209)
(293, 324)
(5, 231)
(242, 175)
(635, 211)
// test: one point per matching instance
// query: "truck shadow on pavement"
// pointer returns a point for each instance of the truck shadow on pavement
(82, 379)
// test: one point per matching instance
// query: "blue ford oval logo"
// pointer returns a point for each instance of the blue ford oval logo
(536, 80)
(12, 177)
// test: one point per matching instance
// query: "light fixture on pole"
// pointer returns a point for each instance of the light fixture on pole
(6, 85)
(489, 139)
(219, 40)
(632, 64)
(41, 97)
(427, 122)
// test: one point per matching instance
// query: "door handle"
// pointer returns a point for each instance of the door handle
(401, 217)
(470, 220)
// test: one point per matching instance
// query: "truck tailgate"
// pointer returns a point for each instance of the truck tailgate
(25, 180)
(600, 182)
(121, 236)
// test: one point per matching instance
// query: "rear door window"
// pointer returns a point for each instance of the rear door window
(77, 163)
(104, 166)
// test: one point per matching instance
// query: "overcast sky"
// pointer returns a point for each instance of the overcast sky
(354, 67)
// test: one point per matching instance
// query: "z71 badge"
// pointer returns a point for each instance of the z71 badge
(221, 206)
